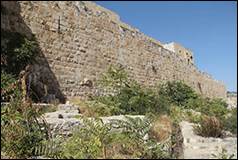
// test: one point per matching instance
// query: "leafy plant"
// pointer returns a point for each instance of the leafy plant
(230, 122)
(192, 116)
(177, 91)
(138, 129)
(211, 107)
(135, 125)
(100, 109)
(128, 96)
(176, 113)
(197, 103)
(9, 89)
(118, 139)
(17, 50)
(21, 129)
(114, 79)
(51, 148)
(216, 107)
(88, 141)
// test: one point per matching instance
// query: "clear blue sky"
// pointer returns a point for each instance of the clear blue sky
(209, 29)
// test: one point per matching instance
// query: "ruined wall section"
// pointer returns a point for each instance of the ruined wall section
(81, 39)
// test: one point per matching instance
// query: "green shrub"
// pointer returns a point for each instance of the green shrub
(51, 148)
(136, 130)
(128, 96)
(176, 113)
(98, 140)
(102, 107)
(9, 89)
(230, 122)
(196, 103)
(20, 129)
(216, 107)
(211, 107)
(209, 127)
(17, 50)
(193, 117)
(137, 100)
(114, 79)
(89, 141)
(177, 91)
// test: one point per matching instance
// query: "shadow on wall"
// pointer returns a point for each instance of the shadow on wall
(42, 81)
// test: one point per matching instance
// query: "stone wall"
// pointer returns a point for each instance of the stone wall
(180, 50)
(81, 39)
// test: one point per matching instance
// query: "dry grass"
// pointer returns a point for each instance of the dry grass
(161, 128)
(209, 127)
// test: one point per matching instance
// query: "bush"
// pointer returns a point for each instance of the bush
(137, 100)
(128, 96)
(216, 107)
(20, 129)
(176, 114)
(114, 79)
(177, 91)
(209, 127)
(230, 122)
(192, 116)
(197, 103)
(89, 141)
(136, 130)
(18, 51)
(211, 107)
(100, 106)
(101, 109)
(9, 89)
(98, 140)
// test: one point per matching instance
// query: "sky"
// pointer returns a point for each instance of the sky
(209, 29)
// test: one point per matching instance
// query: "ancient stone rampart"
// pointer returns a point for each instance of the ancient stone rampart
(81, 39)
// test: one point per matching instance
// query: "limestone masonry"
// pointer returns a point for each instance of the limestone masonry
(79, 40)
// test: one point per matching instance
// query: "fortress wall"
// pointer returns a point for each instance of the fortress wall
(81, 39)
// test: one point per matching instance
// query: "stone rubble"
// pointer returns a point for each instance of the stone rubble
(71, 119)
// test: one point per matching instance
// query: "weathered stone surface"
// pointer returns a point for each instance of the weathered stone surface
(80, 40)
(69, 119)
(232, 100)
(197, 147)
